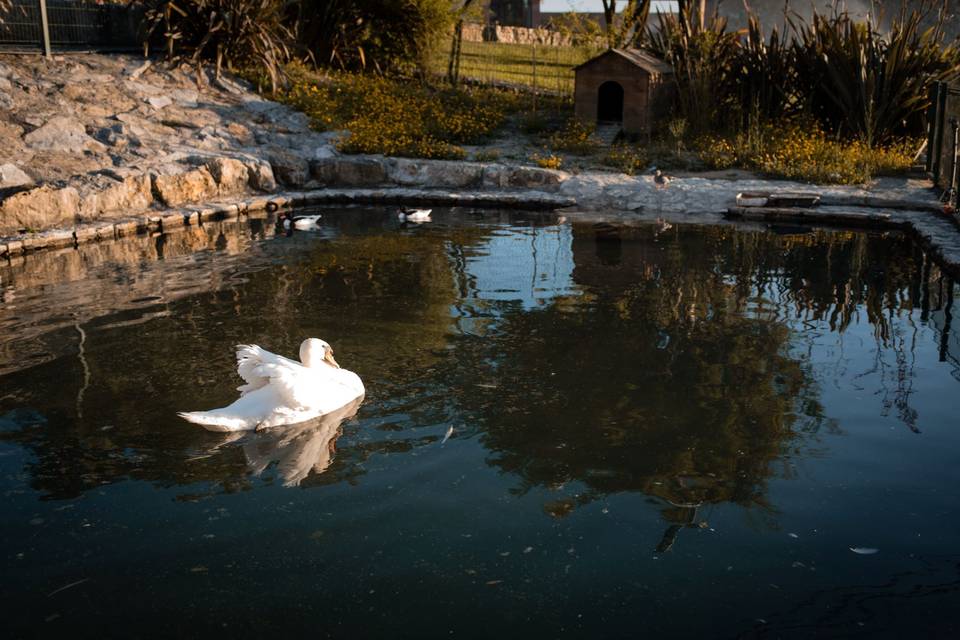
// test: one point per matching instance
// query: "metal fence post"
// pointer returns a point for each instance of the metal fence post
(45, 28)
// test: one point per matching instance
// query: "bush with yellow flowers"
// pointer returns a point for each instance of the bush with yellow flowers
(548, 161)
(625, 158)
(805, 152)
(395, 117)
(575, 137)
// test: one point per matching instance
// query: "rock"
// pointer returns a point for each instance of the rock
(324, 151)
(64, 134)
(117, 136)
(75, 92)
(261, 175)
(128, 195)
(142, 88)
(350, 172)
(185, 97)
(39, 208)
(498, 175)
(435, 173)
(289, 168)
(12, 176)
(5, 85)
(232, 175)
(159, 102)
(174, 189)
(240, 132)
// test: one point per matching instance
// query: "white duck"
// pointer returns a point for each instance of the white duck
(414, 215)
(279, 391)
(304, 223)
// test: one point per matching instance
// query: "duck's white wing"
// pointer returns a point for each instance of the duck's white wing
(294, 384)
(249, 357)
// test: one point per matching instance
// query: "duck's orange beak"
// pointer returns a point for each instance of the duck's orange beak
(328, 356)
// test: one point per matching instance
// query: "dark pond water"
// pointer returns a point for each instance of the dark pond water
(653, 435)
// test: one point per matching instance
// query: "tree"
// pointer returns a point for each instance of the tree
(630, 26)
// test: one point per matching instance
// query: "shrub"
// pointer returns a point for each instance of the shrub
(869, 85)
(805, 152)
(575, 137)
(534, 123)
(547, 161)
(625, 158)
(856, 79)
(233, 33)
(703, 54)
(378, 35)
(397, 118)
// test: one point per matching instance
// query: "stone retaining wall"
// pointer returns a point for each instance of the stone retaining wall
(204, 179)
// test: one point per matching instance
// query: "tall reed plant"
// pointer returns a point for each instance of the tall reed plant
(867, 84)
(232, 33)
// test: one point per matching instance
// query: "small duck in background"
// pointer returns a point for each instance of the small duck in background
(408, 214)
(660, 179)
(304, 223)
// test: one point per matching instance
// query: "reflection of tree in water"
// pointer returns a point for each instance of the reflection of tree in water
(670, 376)
(674, 375)
(380, 297)
(842, 278)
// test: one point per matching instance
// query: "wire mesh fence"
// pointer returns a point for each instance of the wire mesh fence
(73, 25)
(544, 68)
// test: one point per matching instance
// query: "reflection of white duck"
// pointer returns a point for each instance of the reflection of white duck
(279, 391)
(304, 223)
(301, 448)
(414, 215)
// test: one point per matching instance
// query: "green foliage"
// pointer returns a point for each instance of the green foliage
(702, 53)
(398, 118)
(765, 76)
(575, 137)
(534, 123)
(625, 158)
(547, 161)
(867, 84)
(855, 80)
(378, 35)
(802, 151)
(232, 33)
(627, 26)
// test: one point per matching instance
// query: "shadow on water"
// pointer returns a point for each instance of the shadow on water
(692, 368)
(683, 341)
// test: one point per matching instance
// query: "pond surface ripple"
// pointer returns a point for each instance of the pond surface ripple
(570, 430)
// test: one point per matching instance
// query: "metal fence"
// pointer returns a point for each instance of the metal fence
(544, 68)
(71, 25)
(943, 142)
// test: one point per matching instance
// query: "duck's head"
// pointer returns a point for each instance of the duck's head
(314, 352)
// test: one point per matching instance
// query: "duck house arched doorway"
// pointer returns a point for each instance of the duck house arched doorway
(610, 102)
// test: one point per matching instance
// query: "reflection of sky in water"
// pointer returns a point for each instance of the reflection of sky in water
(527, 266)
(692, 451)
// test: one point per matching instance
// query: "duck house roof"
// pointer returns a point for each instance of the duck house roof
(646, 61)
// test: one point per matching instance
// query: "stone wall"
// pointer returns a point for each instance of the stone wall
(474, 32)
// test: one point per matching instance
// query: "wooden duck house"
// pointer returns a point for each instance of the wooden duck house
(626, 86)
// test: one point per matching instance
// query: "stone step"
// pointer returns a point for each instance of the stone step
(607, 132)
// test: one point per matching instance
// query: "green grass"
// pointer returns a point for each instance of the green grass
(497, 62)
